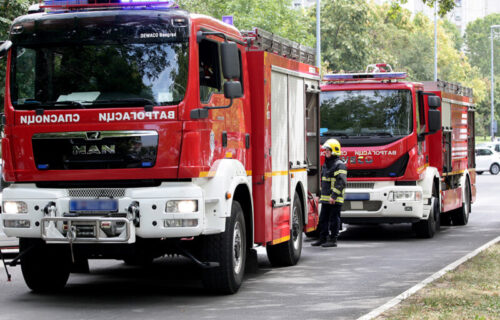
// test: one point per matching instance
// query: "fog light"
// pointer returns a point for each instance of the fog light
(179, 223)
(16, 223)
(404, 195)
(14, 207)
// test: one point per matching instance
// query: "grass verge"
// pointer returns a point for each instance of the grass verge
(472, 292)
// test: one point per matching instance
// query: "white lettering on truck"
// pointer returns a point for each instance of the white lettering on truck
(132, 115)
(52, 118)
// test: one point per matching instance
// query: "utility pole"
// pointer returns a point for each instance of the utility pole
(318, 35)
(435, 41)
(492, 83)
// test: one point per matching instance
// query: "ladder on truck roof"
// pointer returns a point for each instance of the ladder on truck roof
(259, 39)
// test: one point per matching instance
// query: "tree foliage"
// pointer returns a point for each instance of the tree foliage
(478, 43)
(445, 6)
(277, 16)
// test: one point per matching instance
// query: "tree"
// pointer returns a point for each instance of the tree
(478, 43)
(445, 6)
(344, 40)
(276, 16)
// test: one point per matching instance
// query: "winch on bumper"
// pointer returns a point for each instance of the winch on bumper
(108, 215)
(383, 202)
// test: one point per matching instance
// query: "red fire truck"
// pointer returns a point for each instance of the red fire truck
(409, 148)
(135, 129)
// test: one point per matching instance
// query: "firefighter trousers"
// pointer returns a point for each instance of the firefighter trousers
(329, 220)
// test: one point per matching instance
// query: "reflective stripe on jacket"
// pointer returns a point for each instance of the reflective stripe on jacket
(333, 180)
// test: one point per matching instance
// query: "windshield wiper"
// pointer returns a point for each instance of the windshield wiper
(384, 133)
(66, 103)
(134, 101)
(335, 134)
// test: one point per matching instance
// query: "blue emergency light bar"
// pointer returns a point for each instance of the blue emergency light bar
(73, 4)
(364, 76)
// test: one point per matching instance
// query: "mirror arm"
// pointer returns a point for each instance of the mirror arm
(202, 113)
(203, 33)
(421, 136)
(221, 107)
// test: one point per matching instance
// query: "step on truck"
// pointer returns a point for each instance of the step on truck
(409, 148)
(134, 130)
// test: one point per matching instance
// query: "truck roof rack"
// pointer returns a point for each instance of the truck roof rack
(82, 4)
(259, 39)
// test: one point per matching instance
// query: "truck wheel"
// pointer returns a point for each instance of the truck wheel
(427, 228)
(288, 253)
(229, 249)
(495, 169)
(45, 268)
(460, 216)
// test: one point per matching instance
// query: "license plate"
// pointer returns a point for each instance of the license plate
(93, 205)
(357, 196)
(357, 205)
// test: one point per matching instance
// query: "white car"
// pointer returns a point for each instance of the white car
(487, 160)
(495, 146)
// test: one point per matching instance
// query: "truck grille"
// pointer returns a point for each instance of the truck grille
(96, 193)
(397, 169)
(95, 150)
(360, 185)
(367, 206)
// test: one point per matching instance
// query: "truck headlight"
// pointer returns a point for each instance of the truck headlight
(15, 207)
(405, 196)
(181, 206)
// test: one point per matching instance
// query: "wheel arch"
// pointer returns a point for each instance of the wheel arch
(243, 196)
(299, 188)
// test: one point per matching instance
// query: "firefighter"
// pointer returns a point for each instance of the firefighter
(333, 183)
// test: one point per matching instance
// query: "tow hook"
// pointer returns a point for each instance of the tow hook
(133, 209)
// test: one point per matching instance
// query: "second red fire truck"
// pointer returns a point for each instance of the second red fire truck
(409, 148)
(135, 129)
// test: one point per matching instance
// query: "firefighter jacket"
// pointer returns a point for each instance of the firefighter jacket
(333, 180)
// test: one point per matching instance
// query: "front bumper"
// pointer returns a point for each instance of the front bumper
(370, 204)
(59, 225)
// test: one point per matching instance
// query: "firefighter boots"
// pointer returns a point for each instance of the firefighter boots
(318, 242)
(332, 242)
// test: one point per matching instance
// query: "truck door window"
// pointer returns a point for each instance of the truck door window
(421, 124)
(210, 71)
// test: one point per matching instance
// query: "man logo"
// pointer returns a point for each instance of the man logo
(94, 149)
(94, 135)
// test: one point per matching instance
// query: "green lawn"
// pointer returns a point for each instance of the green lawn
(470, 292)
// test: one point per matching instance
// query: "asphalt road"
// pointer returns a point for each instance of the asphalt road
(370, 266)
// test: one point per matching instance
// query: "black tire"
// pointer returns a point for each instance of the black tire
(495, 169)
(45, 268)
(288, 253)
(229, 249)
(460, 216)
(479, 172)
(426, 229)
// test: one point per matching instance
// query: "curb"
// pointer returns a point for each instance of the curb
(408, 293)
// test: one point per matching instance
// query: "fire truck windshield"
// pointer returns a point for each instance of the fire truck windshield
(366, 113)
(91, 60)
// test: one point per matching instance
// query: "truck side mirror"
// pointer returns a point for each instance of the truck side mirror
(434, 102)
(434, 119)
(232, 89)
(230, 60)
(4, 47)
